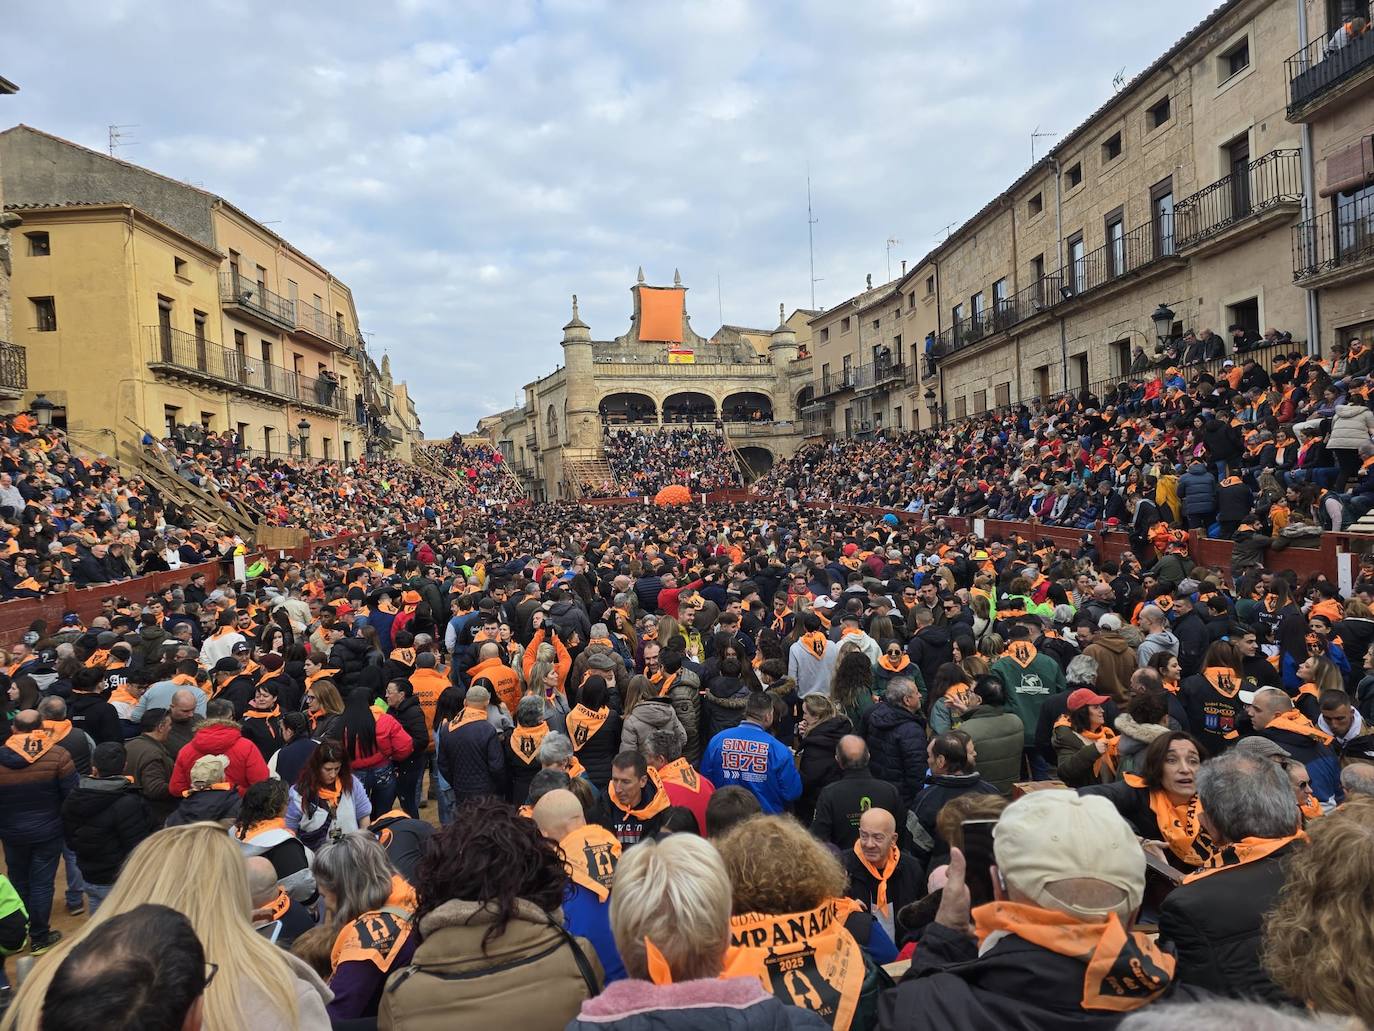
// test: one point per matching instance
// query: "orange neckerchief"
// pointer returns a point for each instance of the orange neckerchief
(98, 657)
(405, 656)
(185, 680)
(583, 724)
(601, 640)
(376, 936)
(467, 715)
(121, 695)
(1311, 809)
(889, 868)
(330, 796)
(1125, 970)
(894, 667)
(276, 909)
(646, 810)
(525, 742)
(1103, 733)
(591, 853)
(662, 681)
(261, 827)
(31, 745)
(1022, 653)
(262, 714)
(814, 642)
(849, 631)
(681, 773)
(1171, 685)
(1180, 826)
(1296, 723)
(1223, 680)
(223, 785)
(1247, 850)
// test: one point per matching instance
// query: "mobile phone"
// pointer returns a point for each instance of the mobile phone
(978, 860)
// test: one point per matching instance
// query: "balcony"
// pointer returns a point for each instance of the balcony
(255, 302)
(834, 383)
(1321, 75)
(1335, 246)
(311, 323)
(176, 353)
(1248, 201)
(14, 370)
(1006, 312)
(878, 375)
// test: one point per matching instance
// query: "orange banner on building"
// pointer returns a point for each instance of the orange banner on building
(661, 313)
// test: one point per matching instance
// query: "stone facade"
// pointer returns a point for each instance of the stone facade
(1184, 189)
(633, 381)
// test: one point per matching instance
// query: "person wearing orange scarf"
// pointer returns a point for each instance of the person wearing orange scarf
(1087, 748)
(1274, 717)
(1056, 945)
(881, 876)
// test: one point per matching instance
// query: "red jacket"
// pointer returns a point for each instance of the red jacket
(393, 744)
(220, 737)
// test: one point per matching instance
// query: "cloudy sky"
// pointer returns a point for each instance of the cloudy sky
(466, 166)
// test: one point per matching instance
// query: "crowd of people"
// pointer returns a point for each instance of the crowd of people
(1277, 453)
(480, 467)
(575, 766)
(644, 462)
(72, 520)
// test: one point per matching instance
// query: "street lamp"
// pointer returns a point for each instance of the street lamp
(932, 405)
(304, 428)
(1163, 318)
(43, 408)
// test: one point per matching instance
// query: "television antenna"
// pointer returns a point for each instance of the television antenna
(811, 220)
(1036, 134)
(892, 242)
(120, 137)
(1119, 80)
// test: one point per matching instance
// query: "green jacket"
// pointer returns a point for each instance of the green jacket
(1028, 684)
(14, 919)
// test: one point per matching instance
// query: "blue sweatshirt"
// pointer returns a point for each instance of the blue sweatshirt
(748, 756)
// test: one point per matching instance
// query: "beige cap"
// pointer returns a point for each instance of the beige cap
(1050, 836)
(208, 770)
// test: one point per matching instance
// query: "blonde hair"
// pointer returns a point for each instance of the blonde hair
(676, 893)
(776, 866)
(1323, 915)
(198, 871)
(326, 693)
(819, 706)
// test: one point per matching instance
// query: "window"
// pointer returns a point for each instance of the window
(202, 352)
(956, 315)
(930, 285)
(844, 325)
(911, 299)
(897, 349)
(999, 296)
(44, 314)
(825, 334)
(848, 362)
(977, 305)
(179, 266)
(825, 376)
(1158, 113)
(897, 417)
(1116, 243)
(1076, 263)
(1111, 148)
(1244, 314)
(1037, 268)
(1354, 222)
(39, 245)
(1233, 60)
(206, 420)
(348, 453)
(1162, 216)
(1002, 395)
(980, 401)
(267, 441)
(1074, 176)
(960, 407)
(1036, 204)
(1121, 357)
(266, 352)
(170, 416)
(876, 323)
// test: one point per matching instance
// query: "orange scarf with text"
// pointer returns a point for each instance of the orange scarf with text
(467, 715)
(583, 724)
(681, 773)
(1106, 759)
(1247, 850)
(881, 904)
(591, 853)
(1125, 970)
(1180, 826)
(814, 642)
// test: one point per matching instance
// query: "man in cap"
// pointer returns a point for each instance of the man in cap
(1055, 949)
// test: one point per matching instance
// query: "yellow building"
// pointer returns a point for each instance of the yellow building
(13, 370)
(146, 303)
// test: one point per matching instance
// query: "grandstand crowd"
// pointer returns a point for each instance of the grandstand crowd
(680, 767)
(479, 467)
(644, 462)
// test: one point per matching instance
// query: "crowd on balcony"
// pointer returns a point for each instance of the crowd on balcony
(644, 463)
(480, 467)
(1277, 453)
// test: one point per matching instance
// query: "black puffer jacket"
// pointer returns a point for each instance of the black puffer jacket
(816, 762)
(349, 655)
(722, 707)
(897, 747)
(103, 819)
(212, 804)
(411, 716)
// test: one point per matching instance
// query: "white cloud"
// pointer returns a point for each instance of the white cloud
(466, 166)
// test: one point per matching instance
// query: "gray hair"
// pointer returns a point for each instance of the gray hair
(600, 630)
(1082, 670)
(477, 695)
(1227, 1015)
(1152, 614)
(555, 750)
(356, 871)
(899, 691)
(663, 744)
(529, 711)
(1358, 779)
(53, 708)
(1247, 797)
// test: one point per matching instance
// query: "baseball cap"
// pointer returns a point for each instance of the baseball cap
(1082, 696)
(241, 648)
(1050, 836)
(208, 770)
(823, 602)
(30, 637)
(1260, 747)
(1246, 697)
(228, 664)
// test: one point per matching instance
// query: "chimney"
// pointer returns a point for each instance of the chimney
(869, 279)
(904, 267)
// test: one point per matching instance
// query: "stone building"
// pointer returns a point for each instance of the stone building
(1229, 183)
(659, 372)
(13, 367)
(146, 303)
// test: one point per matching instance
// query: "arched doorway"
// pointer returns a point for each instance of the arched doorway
(758, 460)
(689, 407)
(747, 406)
(628, 409)
(805, 396)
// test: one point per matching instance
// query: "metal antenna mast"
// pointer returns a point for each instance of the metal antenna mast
(891, 243)
(811, 237)
(1036, 134)
(120, 138)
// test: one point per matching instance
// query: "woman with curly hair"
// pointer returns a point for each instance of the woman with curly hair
(492, 948)
(1316, 937)
(787, 895)
(851, 687)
